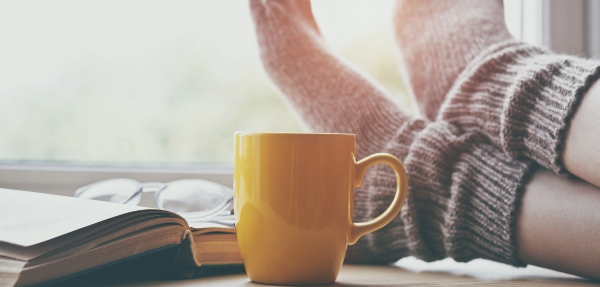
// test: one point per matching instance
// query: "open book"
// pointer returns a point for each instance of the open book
(47, 237)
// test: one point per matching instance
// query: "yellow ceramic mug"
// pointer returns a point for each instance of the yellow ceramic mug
(293, 204)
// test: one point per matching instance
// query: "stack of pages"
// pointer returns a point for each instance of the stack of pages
(45, 238)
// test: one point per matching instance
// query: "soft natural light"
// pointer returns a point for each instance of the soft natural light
(524, 19)
(157, 81)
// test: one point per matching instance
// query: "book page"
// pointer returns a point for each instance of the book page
(208, 224)
(28, 218)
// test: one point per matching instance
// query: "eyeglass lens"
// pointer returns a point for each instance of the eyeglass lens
(191, 198)
(118, 190)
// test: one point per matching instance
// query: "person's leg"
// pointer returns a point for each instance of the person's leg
(581, 155)
(330, 96)
(437, 39)
(558, 226)
(524, 98)
(327, 94)
(464, 190)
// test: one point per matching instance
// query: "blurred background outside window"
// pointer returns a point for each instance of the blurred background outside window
(167, 82)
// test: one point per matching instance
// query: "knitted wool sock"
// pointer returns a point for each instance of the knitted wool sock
(463, 199)
(325, 92)
(522, 97)
(463, 190)
(437, 39)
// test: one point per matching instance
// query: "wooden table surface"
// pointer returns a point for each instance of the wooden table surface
(406, 272)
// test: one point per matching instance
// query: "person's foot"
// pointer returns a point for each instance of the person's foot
(437, 39)
(328, 95)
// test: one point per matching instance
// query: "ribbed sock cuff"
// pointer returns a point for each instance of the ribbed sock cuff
(546, 103)
(482, 218)
(523, 97)
(465, 195)
(463, 200)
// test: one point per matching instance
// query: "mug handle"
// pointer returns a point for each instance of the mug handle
(359, 229)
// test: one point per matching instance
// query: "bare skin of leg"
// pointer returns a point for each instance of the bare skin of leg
(581, 155)
(559, 224)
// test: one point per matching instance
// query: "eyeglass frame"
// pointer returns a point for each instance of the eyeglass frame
(157, 188)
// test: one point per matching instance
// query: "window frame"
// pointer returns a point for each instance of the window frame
(571, 26)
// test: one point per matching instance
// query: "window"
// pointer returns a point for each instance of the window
(98, 89)
(162, 81)
(524, 19)
(154, 81)
(130, 81)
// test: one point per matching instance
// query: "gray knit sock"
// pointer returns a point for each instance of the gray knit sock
(522, 97)
(437, 39)
(327, 94)
(463, 190)
(463, 202)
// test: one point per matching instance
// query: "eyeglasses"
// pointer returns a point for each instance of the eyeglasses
(193, 199)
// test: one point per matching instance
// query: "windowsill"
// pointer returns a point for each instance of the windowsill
(64, 179)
